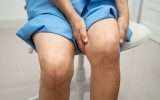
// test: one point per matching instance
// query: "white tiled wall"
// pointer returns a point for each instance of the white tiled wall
(150, 17)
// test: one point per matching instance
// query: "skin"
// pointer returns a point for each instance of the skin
(78, 23)
(123, 21)
(55, 78)
(103, 55)
(56, 54)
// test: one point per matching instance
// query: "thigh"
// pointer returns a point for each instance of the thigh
(103, 34)
(53, 46)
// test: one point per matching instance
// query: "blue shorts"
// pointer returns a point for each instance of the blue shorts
(44, 16)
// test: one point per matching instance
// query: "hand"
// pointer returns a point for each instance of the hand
(123, 29)
(76, 21)
(79, 29)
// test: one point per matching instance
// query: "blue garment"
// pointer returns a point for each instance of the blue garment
(44, 16)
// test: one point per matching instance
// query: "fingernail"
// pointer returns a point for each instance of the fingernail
(121, 41)
(85, 40)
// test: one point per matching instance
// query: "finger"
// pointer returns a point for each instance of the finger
(121, 41)
(126, 34)
(83, 34)
(80, 43)
(121, 36)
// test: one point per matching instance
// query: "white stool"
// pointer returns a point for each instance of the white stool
(81, 84)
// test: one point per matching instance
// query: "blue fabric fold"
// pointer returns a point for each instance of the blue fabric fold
(44, 16)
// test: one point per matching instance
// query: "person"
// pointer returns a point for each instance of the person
(60, 29)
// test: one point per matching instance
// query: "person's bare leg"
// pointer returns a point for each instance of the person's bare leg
(55, 55)
(103, 53)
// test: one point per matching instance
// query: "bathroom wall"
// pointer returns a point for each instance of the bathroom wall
(19, 70)
(12, 9)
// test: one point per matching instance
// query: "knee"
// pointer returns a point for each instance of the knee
(55, 70)
(107, 50)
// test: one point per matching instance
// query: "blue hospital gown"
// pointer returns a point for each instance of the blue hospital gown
(44, 16)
